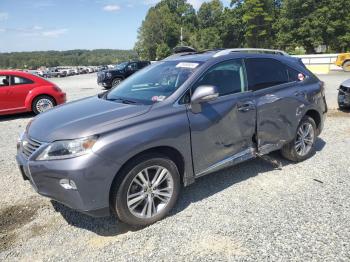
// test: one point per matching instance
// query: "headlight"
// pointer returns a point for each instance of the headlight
(68, 148)
(19, 140)
(109, 75)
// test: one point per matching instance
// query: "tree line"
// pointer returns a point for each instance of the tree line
(296, 26)
(34, 60)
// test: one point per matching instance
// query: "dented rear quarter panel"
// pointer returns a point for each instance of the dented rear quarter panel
(280, 109)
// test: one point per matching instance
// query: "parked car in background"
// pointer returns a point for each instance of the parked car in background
(90, 70)
(81, 70)
(129, 150)
(62, 73)
(53, 72)
(344, 95)
(101, 68)
(71, 72)
(113, 77)
(24, 92)
(343, 60)
(33, 72)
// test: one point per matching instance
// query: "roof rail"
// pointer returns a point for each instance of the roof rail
(183, 49)
(250, 50)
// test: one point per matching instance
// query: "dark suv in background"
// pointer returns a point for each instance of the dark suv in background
(112, 77)
(129, 150)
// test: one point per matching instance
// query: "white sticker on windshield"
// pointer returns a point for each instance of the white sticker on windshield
(187, 65)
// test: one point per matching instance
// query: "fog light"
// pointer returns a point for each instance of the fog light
(68, 184)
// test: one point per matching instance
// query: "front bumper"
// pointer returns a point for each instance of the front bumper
(103, 80)
(104, 84)
(344, 98)
(92, 175)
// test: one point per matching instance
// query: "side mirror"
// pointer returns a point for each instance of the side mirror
(100, 95)
(204, 93)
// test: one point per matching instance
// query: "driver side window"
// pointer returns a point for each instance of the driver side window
(133, 66)
(228, 77)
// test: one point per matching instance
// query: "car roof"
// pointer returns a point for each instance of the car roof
(224, 54)
(15, 72)
(191, 57)
(35, 78)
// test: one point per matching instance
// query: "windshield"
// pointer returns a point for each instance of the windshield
(121, 66)
(154, 83)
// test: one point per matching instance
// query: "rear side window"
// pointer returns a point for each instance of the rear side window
(4, 80)
(133, 66)
(293, 74)
(16, 80)
(143, 64)
(265, 72)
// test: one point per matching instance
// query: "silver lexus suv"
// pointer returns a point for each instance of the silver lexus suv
(130, 150)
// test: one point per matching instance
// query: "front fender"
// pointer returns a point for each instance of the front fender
(157, 128)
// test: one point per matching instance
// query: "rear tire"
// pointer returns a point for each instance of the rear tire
(42, 103)
(303, 145)
(346, 66)
(146, 190)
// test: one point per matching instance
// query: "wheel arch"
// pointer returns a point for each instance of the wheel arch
(346, 60)
(29, 103)
(118, 76)
(315, 115)
(168, 151)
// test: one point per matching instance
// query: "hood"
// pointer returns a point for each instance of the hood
(89, 116)
(113, 70)
(346, 83)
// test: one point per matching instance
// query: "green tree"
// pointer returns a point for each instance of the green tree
(210, 20)
(333, 17)
(33, 60)
(298, 25)
(233, 30)
(162, 51)
(162, 25)
(258, 19)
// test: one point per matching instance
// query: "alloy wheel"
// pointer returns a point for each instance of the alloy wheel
(44, 104)
(116, 82)
(150, 192)
(305, 139)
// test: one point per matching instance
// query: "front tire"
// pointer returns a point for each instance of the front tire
(147, 190)
(116, 81)
(303, 145)
(42, 103)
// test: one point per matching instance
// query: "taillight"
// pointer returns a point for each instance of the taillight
(322, 88)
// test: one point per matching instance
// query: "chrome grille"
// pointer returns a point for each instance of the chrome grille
(29, 146)
(100, 76)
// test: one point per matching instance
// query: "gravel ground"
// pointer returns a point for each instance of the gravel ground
(248, 212)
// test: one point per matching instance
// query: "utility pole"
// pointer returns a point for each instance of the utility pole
(181, 38)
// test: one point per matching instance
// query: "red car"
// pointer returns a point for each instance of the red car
(24, 92)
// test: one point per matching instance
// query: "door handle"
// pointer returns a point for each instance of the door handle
(245, 107)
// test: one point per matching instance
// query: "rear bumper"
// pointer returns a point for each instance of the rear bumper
(91, 174)
(61, 98)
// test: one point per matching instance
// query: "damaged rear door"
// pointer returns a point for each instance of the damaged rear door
(279, 101)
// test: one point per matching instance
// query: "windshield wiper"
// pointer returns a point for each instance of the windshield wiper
(122, 100)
